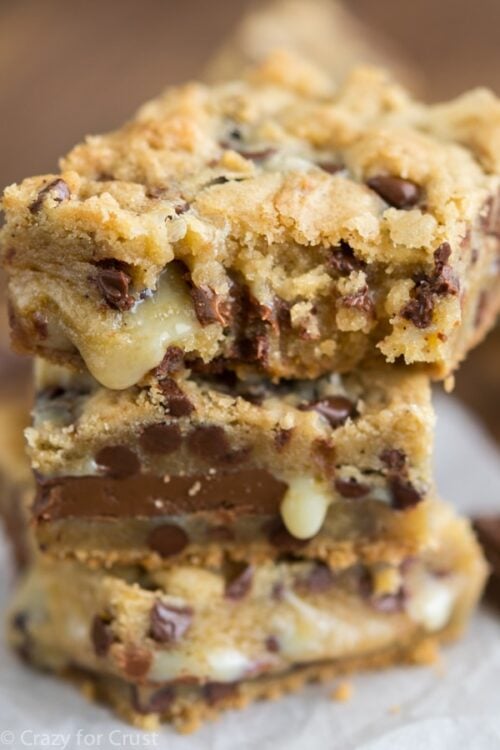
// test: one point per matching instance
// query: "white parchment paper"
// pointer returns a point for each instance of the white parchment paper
(453, 705)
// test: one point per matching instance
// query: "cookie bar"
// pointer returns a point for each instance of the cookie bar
(324, 31)
(196, 466)
(185, 637)
(274, 223)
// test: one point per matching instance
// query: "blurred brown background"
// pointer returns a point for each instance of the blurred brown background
(71, 68)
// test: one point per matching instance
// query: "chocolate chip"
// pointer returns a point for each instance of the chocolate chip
(181, 208)
(282, 438)
(136, 662)
(208, 306)
(442, 255)
(168, 624)
(420, 309)
(118, 461)
(101, 635)
(214, 692)
(361, 300)
(173, 361)
(114, 284)
(210, 442)
(351, 488)
(335, 409)
(396, 191)
(59, 191)
(240, 584)
(332, 167)
(167, 540)
(161, 438)
(40, 324)
(177, 403)
(404, 494)
(343, 260)
(280, 537)
(272, 644)
(258, 154)
(158, 702)
(221, 180)
(393, 458)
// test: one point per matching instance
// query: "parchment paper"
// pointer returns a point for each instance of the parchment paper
(455, 704)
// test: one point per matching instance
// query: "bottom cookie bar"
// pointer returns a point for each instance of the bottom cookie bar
(182, 643)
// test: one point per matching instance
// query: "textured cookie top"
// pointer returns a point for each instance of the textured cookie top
(254, 182)
(280, 155)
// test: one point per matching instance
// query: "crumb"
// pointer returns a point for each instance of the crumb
(395, 710)
(343, 692)
(449, 383)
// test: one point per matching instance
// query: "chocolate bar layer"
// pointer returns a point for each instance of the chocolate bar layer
(185, 464)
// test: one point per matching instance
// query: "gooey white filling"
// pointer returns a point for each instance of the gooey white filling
(304, 506)
(140, 338)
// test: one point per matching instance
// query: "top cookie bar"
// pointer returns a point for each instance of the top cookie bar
(273, 223)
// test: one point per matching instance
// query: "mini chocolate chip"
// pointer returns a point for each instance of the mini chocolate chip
(181, 208)
(207, 306)
(361, 300)
(118, 461)
(442, 255)
(40, 324)
(282, 438)
(446, 282)
(136, 662)
(161, 438)
(332, 167)
(210, 442)
(101, 635)
(161, 700)
(420, 309)
(393, 458)
(214, 692)
(58, 190)
(221, 180)
(343, 260)
(335, 409)
(167, 540)
(173, 361)
(168, 624)
(272, 644)
(178, 404)
(404, 494)
(396, 191)
(241, 584)
(258, 154)
(351, 488)
(114, 284)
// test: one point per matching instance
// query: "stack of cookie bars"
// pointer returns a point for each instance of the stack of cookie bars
(237, 303)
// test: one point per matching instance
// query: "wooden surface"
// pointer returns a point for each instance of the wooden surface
(71, 68)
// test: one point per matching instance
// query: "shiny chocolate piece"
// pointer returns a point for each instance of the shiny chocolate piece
(169, 624)
(58, 190)
(168, 540)
(395, 191)
(161, 438)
